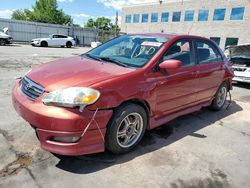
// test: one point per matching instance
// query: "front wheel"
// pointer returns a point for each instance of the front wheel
(2, 42)
(68, 44)
(126, 128)
(220, 98)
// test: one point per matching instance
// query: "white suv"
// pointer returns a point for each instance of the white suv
(54, 40)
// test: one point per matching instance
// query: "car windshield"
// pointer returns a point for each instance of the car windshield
(128, 50)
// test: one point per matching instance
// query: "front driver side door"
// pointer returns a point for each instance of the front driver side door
(176, 89)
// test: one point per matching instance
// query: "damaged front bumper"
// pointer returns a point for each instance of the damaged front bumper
(53, 125)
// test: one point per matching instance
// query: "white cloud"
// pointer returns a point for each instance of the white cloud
(65, 1)
(118, 4)
(81, 15)
(6, 13)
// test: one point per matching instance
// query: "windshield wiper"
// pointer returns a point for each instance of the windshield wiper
(115, 61)
(93, 57)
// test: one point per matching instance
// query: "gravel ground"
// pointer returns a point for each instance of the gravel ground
(204, 149)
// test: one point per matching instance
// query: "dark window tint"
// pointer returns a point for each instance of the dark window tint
(144, 18)
(237, 13)
(136, 18)
(182, 51)
(207, 53)
(216, 40)
(154, 17)
(189, 15)
(231, 41)
(55, 36)
(164, 17)
(176, 16)
(62, 36)
(219, 14)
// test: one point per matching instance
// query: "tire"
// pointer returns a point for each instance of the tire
(2, 42)
(220, 98)
(68, 44)
(44, 44)
(130, 120)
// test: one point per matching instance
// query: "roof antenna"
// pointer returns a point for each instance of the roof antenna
(160, 1)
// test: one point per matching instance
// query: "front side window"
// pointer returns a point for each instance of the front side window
(207, 53)
(189, 15)
(182, 51)
(144, 18)
(154, 17)
(128, 50)
(136, 18)
(164, 17)
(219, 14)
(203, 15)
(176, 16)
(237, 13)
(128, 18)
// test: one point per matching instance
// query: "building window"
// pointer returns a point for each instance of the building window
(189, 15)
(154, 17)
(203, 15)
(219, 14)
(176, 16)
(144, 18)
(128, 18)
(237, 13)
(231, 41)
(164, 17)
(216, 40)
(136, 18)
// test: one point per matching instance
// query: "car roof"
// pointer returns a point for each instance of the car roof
(169, 35)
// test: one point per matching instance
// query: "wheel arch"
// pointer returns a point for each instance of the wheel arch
(143, 103)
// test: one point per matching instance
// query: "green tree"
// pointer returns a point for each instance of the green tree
(103, 24)
(45, 11)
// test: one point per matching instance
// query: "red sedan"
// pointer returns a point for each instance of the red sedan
(109, 96)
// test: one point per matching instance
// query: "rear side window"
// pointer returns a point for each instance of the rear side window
(182, 51)
(207, 53)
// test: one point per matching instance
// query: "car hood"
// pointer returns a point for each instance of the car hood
(240, 51)
(75, 71)
(4, 35)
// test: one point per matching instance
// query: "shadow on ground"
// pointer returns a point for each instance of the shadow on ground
(153, 140)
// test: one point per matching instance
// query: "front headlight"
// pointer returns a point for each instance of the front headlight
(72, 97)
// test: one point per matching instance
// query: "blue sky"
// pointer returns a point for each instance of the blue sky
(80, 10)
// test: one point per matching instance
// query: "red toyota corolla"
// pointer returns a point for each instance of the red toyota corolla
(109, 96)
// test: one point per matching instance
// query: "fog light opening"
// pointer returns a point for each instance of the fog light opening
(66, 139)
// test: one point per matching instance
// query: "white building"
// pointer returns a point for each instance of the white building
(227, 22)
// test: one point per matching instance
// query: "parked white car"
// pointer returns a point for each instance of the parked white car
(240, 58)
(54, 40)
(5, 38)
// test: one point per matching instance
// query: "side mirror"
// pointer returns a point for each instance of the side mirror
(170, 64)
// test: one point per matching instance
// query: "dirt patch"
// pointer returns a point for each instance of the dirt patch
(6, 135)
(218, 179)
(23, 161)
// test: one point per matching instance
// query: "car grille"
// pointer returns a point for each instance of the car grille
(31, 89)
(240, 69)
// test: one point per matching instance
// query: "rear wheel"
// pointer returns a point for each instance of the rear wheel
(220, 98)
(44, 44)
(126, 128)
(68, 44)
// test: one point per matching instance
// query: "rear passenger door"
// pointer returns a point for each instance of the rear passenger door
(211, 71)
